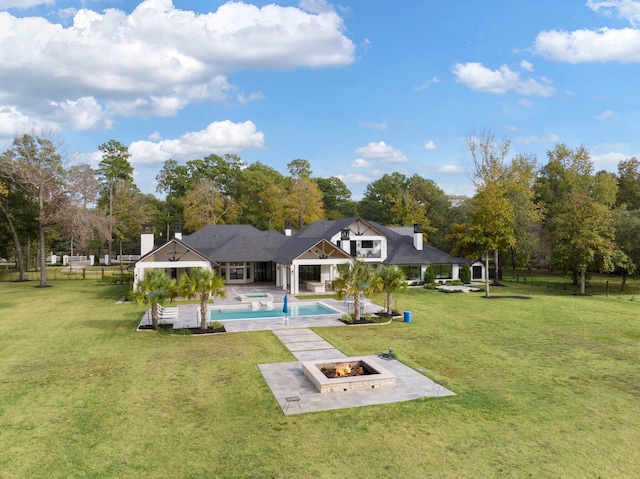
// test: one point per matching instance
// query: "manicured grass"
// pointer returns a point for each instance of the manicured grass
(547, 387)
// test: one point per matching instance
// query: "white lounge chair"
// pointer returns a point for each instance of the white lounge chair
(255, 305)
(167, 313)
(270, 306)
(162, 309)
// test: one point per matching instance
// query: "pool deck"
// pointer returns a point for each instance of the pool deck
(292, 390)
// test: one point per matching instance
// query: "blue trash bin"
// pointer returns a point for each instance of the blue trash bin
(407, 316)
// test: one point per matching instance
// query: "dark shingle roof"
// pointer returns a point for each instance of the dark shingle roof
(230, 243)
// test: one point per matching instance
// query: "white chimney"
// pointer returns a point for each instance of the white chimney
(287, 227)
(178, 231)
(146, 239)
(417, 236)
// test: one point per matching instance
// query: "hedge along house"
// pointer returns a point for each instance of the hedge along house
(304, 260)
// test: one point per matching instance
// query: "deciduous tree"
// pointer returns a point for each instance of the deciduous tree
(35, 166)
(579, 217)
(205, 204)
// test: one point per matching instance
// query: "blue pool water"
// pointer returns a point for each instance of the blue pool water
(225, 313)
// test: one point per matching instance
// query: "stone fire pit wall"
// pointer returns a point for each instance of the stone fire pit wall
(379, 377)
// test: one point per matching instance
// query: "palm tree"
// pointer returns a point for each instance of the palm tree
(356, 279)
(155, 287)
(202, 283)
(393, 279)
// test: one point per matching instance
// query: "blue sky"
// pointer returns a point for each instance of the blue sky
(359, 88)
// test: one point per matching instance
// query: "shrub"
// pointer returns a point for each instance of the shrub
(216, 325)
(429, 276)
(346, 318)
(465, 274)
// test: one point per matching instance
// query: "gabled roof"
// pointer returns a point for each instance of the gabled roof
(296, 247)
(174, 250)
(236, 243)
(401, 251)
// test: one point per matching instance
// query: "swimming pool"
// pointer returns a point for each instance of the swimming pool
(225, 313)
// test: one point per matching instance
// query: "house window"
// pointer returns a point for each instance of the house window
(368, 244)
(236, 271)
(443, 271)
(412, 272)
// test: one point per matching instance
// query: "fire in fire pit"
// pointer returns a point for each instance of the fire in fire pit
(346, 370)
(347, 374)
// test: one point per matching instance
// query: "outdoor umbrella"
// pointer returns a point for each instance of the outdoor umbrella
(285, 308)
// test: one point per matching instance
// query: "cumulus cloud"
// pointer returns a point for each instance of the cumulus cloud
(353, 178)
(219, 137)
(604, 115)
(430, 145)
(627, 9)
(157, 59)
(608, 160)
(14, 122)
(527, 66)
(601, 45)
(581, 46)
(478, 77)
(382, 152)
(360, 163)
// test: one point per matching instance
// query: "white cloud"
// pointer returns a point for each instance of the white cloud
(352, 178)
(155, 136)
(604, 115)
(527, 66)
(315, 6)
(14, 122)
(83, 114)
(608, 160)
(426, 84)
(158, 59)
(23, 4)
(627, 9)
(581, 46)
(360, 163)
(450, 169)
(532, 139)
(430, 145)
(477, 77)
(382, 152)
(219, 137)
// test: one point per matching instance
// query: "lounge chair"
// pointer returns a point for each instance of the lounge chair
(255, 305)
(270, 306)
(162, 309)
(167, 313)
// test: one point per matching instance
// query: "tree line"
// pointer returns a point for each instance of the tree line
(562, 214)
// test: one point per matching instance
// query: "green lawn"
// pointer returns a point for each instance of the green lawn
(547, 387)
